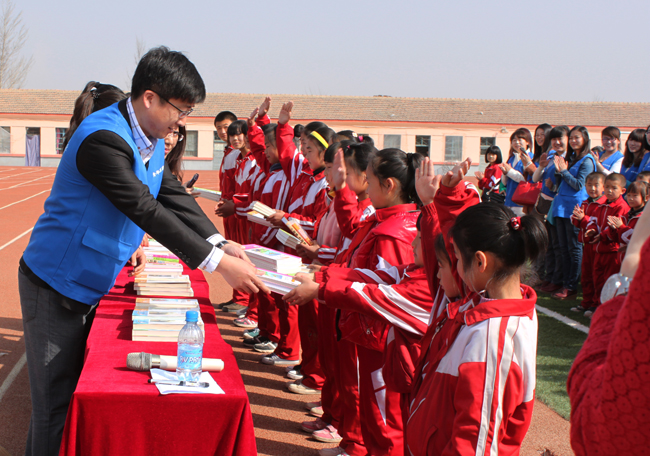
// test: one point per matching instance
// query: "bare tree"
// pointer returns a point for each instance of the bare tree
(13, 34)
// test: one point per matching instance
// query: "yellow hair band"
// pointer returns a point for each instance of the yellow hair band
(319, 138)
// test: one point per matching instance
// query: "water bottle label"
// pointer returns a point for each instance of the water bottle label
(190, 357)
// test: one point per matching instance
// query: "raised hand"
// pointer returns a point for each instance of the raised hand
(285, 112)
(453, 177)
(251, 118)
(264, 107)
(426, 181)
(543, 160)
(339, 171)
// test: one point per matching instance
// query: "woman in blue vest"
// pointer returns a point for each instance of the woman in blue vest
(513, 170)
(553, 273)
(571, 175)
(611, 159)
(635, 149)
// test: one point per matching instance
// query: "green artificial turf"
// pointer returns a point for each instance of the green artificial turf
(564, 307)
(558, 345)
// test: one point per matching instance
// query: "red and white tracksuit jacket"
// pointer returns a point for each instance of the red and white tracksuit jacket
(382, 240)
(623, 234)
(609, 382)
(588, 206)
(606, 261)
(491, 178)
(338, 358)
(227, 186)
(476, 389)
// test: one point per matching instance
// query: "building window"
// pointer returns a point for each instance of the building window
(217, 144)
(5, 140)
(453, 148)
(192, 144)
(423, 145)
(486, 143)
(392, 141)
(60, 137)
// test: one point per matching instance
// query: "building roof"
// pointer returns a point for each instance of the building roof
(375, 109)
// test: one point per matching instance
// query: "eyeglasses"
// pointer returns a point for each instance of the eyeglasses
(181, 113)
(176, 133)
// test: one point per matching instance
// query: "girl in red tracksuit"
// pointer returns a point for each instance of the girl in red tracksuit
(623, 227)
(383, 240)
(489, 179)
(475, 388)
(271, 189)
(307, 200)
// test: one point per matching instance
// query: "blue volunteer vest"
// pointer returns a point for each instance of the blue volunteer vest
(567, 198)
(609, 162)
(81, 242)
(511, 186)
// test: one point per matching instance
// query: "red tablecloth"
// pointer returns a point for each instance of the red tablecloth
(114, 411)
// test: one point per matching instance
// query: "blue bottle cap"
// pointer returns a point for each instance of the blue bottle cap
(191, 316)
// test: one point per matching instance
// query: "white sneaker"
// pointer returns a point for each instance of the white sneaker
(338, 451)
(275, 360)
(298, 388)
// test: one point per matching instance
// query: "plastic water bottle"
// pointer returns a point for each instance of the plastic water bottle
(190, 349)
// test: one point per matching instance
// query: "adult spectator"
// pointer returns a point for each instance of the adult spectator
(611, 159)
(519, 157)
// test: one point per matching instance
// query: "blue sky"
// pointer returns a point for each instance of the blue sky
(551, 50)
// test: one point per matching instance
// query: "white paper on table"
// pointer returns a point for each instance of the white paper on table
(159, 374)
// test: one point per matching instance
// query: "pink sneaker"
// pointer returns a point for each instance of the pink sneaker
(316, 411)
(327, 435)
(244, 322)
(311, 426)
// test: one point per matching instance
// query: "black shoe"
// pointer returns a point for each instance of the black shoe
(221, 305)
(255, 341)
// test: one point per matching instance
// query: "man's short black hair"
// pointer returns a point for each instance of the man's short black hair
(170, 74)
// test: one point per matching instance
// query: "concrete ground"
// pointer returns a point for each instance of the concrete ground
(277, 414)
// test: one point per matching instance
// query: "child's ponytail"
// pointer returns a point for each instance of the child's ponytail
(400, 166)
(494, 228)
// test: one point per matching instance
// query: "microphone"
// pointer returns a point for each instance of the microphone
(146, 361)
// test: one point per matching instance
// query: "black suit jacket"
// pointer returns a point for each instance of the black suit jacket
(173, 218)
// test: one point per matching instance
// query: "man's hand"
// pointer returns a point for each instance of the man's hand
(614, 222)
(264, 107)
(303, 293)
(426, 181)
(240, 274)
(225, 208)
(308, 251)
(235, 250)
(578, 213)
(276, 219)
(453, 177)
(138, 261)
(285, 113)
(560, 164)
(339, 171)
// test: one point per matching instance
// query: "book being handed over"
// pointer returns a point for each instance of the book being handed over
(292, 224)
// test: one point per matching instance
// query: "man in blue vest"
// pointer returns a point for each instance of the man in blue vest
(112, 186)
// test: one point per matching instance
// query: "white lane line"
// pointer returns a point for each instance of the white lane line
(29, 197)
(15, 175)
(12, 375)
(16, 238)
(7, 170)
(26, 182)
(566, 320)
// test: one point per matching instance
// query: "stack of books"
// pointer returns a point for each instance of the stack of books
(278, 283)
(207, 194)
(163, 284)
(287, 239)
(273, 260)
(160, 320)
(259, 213)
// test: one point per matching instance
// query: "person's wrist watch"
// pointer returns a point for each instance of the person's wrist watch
(221, 244)
(616, 285)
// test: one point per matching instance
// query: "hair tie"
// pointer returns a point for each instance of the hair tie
(360, 138)
(320, 139)
(94, 93)
(515, 223)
